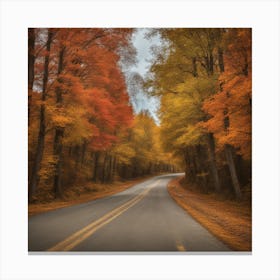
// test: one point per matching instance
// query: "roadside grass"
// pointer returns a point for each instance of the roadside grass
(81, 194)
(227, 219)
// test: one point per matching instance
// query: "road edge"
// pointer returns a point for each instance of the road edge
(36, 209)
(178, 198)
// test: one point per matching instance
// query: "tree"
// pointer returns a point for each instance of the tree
(42, 129)
(31, 63)
(83, 70)
(230, 108)
(187, 69)
(84, 110)
(193, 74)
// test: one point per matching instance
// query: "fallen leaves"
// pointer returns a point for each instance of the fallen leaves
(230, 221)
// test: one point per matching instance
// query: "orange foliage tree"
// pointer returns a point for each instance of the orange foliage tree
(82, 91)
(230, 109)
(80, 116)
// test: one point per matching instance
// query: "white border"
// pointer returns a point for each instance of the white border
(262, 16)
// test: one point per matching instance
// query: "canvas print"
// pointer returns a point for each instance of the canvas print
(139, 140)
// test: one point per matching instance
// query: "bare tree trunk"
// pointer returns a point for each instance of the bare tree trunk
(213, 164)
(31, 62)
(42, 127)
(234, 178)
(58, 137)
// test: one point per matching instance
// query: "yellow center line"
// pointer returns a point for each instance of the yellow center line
(79, 236)
(180, 247)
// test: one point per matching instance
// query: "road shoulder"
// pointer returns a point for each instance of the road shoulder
(228, 220)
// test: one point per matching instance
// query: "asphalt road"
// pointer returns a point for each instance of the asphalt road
(143, 218)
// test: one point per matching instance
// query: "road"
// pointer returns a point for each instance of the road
(143, 218)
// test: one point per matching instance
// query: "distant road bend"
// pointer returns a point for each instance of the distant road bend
(143, 218)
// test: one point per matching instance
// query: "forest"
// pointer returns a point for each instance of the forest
(204, 79)
(82, 127)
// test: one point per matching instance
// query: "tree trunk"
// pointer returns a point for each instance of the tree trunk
(42, 126)
(211, 64)
(228, 148)
(70, 151)
(196, 160)
(107, 169)
(77, 156)
(110, 166)
(59, 133)
(190, 154)
(58, 148)
(245, 69)
(83, 155)
(114, 168)
(234, 178)
(221, 60)
(96, 160)
(201, 168)
(31, 62)
(206, 62)
(188, 171)
(104, 169)
(194, 67)
(212, 161)
(124, 171)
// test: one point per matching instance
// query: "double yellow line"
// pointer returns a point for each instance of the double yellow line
(79, 236)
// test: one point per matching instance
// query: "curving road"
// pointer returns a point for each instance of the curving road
(142, 218)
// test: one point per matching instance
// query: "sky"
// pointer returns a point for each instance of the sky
(143, 47)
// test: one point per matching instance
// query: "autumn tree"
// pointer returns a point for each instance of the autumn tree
(187, 73)
(187, 68)
(31, 63)
(42, 123)
(230, 108)
(141, 153)
(72, 65)
(82, 126)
